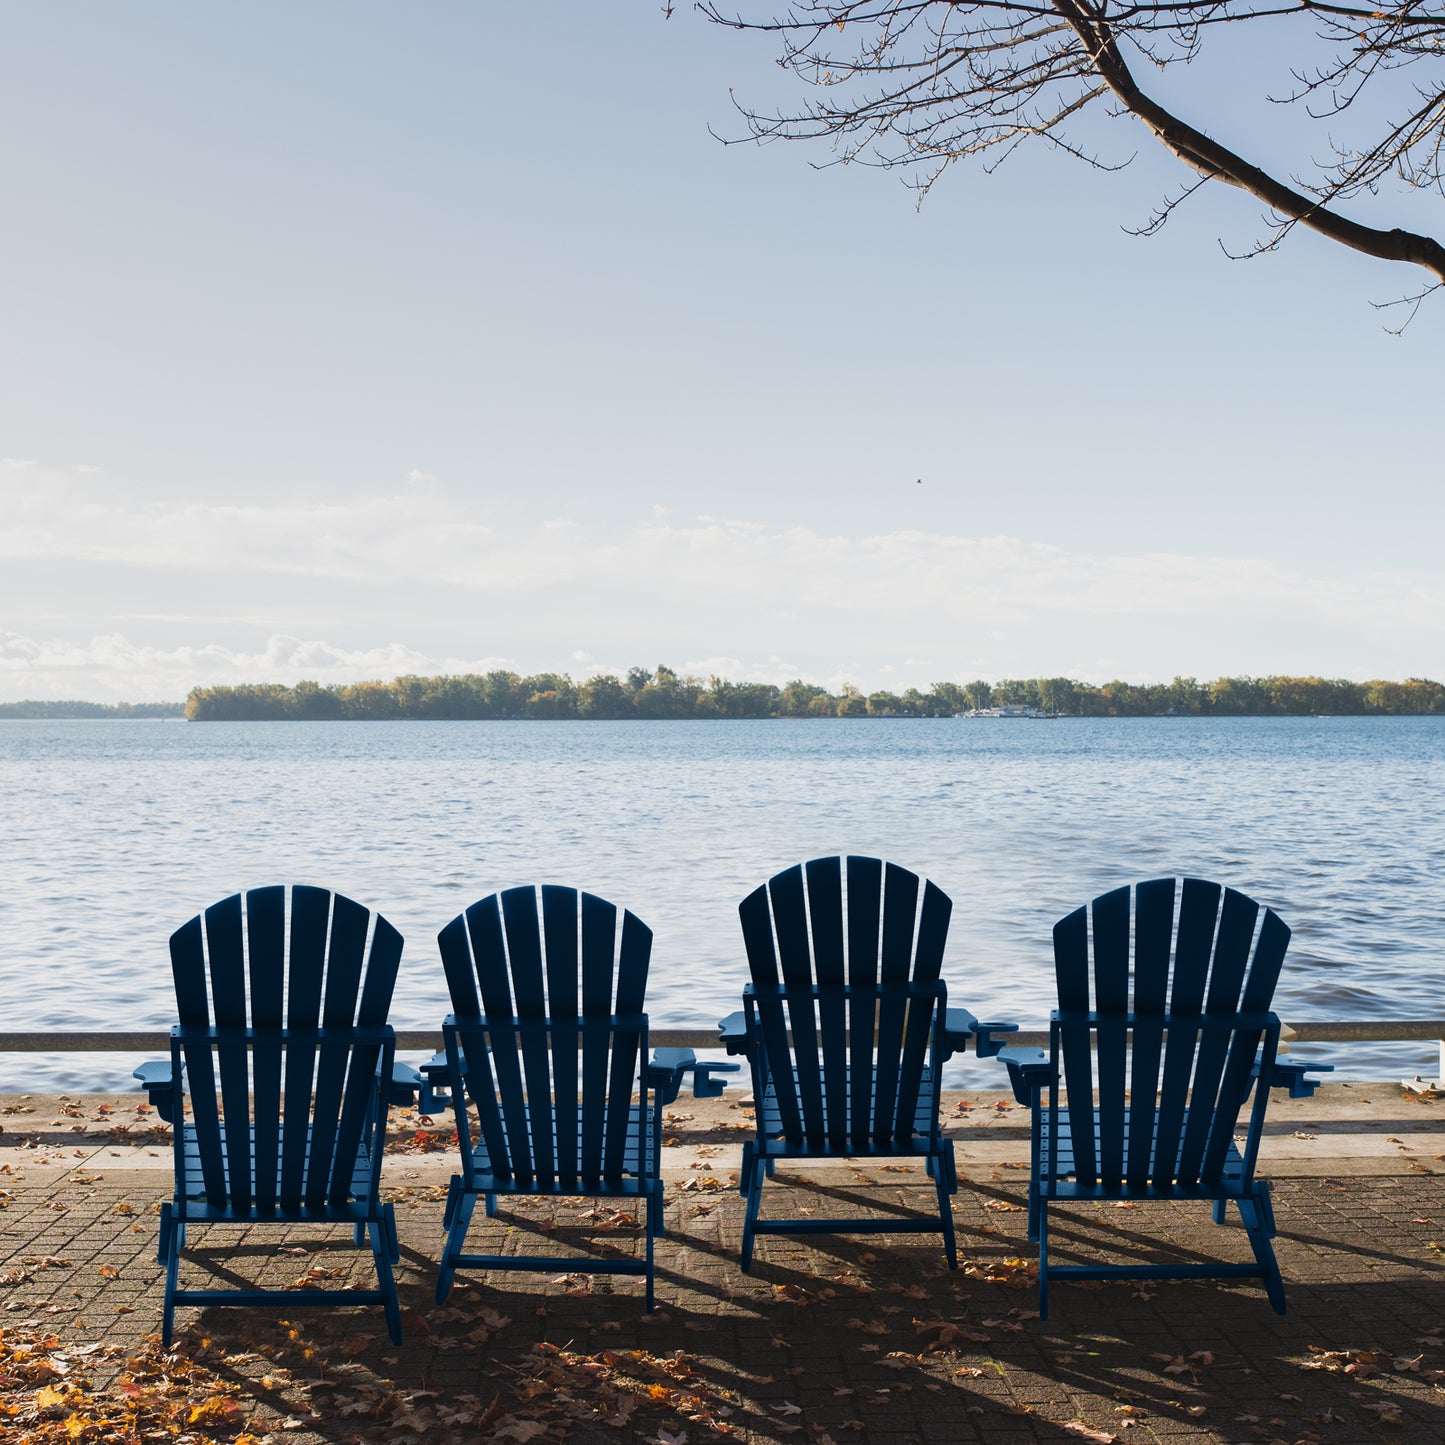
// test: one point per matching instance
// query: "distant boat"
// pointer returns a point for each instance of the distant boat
(1009, 710)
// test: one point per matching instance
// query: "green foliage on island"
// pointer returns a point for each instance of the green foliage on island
(91, 709)
(666, 694)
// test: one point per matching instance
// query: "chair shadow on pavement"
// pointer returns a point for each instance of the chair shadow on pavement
(833, 1338)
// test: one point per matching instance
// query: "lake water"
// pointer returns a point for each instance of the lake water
(114, 833)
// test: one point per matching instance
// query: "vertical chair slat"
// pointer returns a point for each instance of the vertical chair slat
(895, 965)
(865, 932)
(825, 921)
(599, 981)
(484, 922)
(925, 1005)
(310, 925)
(188, 968)
(1193, 948)
(757, 921)
(1247, 1046)
(467, 1043)
(1111, 1001)
(627, 1042)
(560, 922)
(790, 924)
(266, 962)
(359, 1097)
(524, 954)
(227, 953)
(1226, 977)
(1071, 970)
(1153, 945)
(345, 954)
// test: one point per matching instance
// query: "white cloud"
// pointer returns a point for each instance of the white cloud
(112, 667)
(711, 591)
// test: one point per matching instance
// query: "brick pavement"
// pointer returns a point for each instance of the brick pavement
(833, 1339)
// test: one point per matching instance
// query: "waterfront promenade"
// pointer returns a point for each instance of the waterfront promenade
(838, 1339)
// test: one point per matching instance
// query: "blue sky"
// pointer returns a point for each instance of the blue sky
(351, 340)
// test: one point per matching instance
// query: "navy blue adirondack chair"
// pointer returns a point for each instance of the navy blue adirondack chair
(548, 1042)
(845, 1026)
(1140, 1092)
(285, 1054)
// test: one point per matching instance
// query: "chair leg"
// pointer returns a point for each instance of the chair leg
(163, 1248)
(454, 1185)
(1033, 1211)
(945, 1181)
(654, 1228)
(750, 1218)
(382, 1233)
(660, 1230)
(1220, 1210)
(456, 1239)
(1258, 1217)
(491, 1205)
(359, 1234)
(945, 1219)
(168, 1310)
(745, 1174)
(1042, 1229)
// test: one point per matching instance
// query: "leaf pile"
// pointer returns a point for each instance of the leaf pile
(47, 1395)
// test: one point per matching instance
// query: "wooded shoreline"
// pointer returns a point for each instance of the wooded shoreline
(664, 694)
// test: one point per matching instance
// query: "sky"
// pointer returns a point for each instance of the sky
(349, 340)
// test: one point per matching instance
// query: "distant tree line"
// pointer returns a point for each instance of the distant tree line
(664, 693)
(91, 709)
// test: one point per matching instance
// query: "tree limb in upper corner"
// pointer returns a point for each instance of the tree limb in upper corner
(920, 84)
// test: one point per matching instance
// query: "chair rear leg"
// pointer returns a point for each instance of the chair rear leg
(1220, 1208)
(750, 1218)
(163, 1247)
(1258, 1218)
(455, 1242)
(1042, 1230)
(168, 1310)
(651, 1235)
(946, 1182)
(382, 1233)
(945, 1220)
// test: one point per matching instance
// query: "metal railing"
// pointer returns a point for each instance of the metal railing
(129, 1041)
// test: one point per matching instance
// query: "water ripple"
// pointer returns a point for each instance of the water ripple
(112, 833)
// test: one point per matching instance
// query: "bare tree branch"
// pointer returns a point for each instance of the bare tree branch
(920, 84)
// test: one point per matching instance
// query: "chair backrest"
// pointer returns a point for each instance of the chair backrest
(1182, 975)
(845, 965)
(548, 1012)
(283, 1008)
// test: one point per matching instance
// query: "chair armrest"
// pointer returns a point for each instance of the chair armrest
(159, 1082)
(1291, 1075)
(955, 1029)
(734, 1032)
(959, 1025)
(406, 1084)
(666, 1071)
(437, 1085)
(1029, 1070)
(676, 1064)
